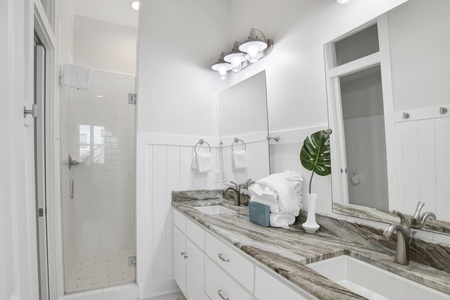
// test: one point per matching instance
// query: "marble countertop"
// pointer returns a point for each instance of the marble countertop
(287, 250)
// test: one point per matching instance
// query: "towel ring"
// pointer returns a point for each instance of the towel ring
(201, 142)
(236, 140)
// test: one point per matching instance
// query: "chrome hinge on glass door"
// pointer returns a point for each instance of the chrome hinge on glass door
(32, 111)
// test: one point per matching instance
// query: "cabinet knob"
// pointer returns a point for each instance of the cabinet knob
(183, 253)
(221, 296)
(222, 258)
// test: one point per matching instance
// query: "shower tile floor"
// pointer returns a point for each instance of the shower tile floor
(101, 270)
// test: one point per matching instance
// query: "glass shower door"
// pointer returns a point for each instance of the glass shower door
(98, 190)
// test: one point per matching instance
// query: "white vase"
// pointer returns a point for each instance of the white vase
(311, 225)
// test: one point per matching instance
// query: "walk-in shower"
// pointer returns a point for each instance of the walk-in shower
(98, 190)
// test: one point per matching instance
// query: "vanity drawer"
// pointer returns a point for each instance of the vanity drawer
(195, 233)
(268, 287)
(230, 260)
(219, 285)
(179, 220)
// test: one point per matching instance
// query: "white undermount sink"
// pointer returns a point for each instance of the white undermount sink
(372, 282)
(214, 210)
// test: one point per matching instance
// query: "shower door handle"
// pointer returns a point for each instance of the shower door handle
(72, 188)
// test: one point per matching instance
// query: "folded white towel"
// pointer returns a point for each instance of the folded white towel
(281, 220)
(240, 159)
(202, 162)
(287, 195)
(76, 76)
(274, 207)
(263, 192)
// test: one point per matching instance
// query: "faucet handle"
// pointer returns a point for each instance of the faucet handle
(404, 223)
(416, 221)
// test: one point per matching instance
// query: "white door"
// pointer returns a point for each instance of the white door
(39, 165)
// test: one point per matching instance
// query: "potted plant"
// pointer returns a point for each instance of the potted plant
(315, 157)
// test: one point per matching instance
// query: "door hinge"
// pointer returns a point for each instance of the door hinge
(41, 212)
(132, 98)
(132, 261)
(32, 111)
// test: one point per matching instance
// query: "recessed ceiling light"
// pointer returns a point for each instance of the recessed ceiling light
(343, 1)
(135, 5)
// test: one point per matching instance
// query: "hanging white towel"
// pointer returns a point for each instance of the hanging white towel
(281, 220)
(76, 76)
(202, 162)
(240, 159)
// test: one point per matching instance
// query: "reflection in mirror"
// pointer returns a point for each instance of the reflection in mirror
(244, 130)
(382, 159)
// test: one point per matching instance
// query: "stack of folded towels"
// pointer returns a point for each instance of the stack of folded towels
(282, 192)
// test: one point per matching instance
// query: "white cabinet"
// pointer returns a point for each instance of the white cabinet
(179, 259)
(188, 258)
(195, 272)
(268, 287)
(220, 286)
(230, 260)
(208, 268)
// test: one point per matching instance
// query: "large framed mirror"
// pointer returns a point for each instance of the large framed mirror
(243, 129)
(388, 90)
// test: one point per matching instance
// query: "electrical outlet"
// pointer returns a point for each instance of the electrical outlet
(217, 176)
(225, 176)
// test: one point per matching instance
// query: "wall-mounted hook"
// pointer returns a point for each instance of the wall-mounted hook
(276, 138)
(405, 115)
(443, 110)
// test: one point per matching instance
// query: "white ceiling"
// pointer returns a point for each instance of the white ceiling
(112, 11)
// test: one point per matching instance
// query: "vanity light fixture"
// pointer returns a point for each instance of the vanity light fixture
(222, 67)
(343, 1)
(135, 5)
(244, 53)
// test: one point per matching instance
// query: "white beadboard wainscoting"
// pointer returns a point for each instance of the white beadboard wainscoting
(164, 165)
(422, 150)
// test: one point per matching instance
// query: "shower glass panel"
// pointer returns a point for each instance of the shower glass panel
(98, 193)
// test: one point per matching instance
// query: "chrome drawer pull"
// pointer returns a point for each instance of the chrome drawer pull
(223, 259)
(221, 296)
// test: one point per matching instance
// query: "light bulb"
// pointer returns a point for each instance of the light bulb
(223, 72)
(236, 64)
(135, 5)
(343, 1)
(253, 54)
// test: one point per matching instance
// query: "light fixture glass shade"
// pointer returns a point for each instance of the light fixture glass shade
(343, 1)
(135, 5)
(222, 67)
(235, 57)
(253, 46)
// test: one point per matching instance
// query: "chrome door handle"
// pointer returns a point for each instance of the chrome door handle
(72, 162)
(221, 296)
(222, 258)
(72, 188)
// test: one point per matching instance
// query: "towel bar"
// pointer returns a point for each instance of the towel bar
(236, 140)
(201, 142)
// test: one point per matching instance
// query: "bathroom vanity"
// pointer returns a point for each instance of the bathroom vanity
(220, 254)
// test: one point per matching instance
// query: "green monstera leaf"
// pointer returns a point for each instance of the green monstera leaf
(315, 154)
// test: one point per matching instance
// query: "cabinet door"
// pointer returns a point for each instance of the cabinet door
(195, 272)
(179, 259)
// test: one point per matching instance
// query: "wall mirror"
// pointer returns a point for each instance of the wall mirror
(388, 93)
(243, 130)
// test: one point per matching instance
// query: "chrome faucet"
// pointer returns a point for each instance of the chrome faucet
(418, 221)
(403, 238)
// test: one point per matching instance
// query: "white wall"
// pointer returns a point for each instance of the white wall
(18, 255)
(419, 46)
(104, 46)
(65, 31)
